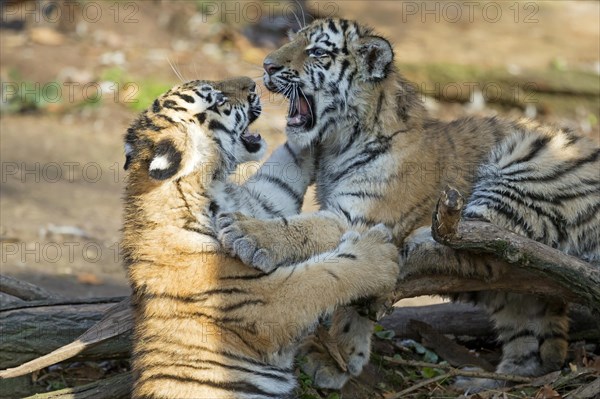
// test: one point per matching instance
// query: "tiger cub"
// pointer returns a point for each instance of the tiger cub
(382, 159)
(206, 325)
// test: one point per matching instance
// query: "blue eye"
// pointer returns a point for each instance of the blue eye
(317, 52)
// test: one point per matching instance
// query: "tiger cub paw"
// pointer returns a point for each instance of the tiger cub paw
(419, 241)
(321, 367)
(475, 385)
(375, 250)
(354, 345)
(234, 235)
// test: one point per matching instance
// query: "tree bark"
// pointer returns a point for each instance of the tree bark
(24, 290)
(461, 319)
(33, 329)
(578, 280)
(116, 387)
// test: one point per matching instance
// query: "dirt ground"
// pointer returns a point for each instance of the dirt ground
(62, 160)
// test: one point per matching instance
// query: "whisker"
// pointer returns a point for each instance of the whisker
(297, 19)
(177, 74)
(255, 66)
(303, 16)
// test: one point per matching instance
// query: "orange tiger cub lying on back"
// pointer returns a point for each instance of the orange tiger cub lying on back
(206, 325)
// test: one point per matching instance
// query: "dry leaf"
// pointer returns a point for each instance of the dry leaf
(89, 279)
(546, 392)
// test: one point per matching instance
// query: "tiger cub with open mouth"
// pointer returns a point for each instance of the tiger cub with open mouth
(206, 325)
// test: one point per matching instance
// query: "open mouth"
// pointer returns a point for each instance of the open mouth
(301, 110)
(252, 141)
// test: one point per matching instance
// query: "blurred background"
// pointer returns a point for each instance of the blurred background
(75, 73)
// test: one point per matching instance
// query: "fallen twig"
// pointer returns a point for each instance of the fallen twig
(454, 372)
(419, 385)
(579, 277)
(24, 290)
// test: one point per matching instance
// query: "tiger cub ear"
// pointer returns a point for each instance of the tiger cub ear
(166, 160)
(376, 55)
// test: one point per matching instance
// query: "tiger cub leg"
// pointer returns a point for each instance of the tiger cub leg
(323, 282)
(268, 244)
(351, 333)
(533, 332)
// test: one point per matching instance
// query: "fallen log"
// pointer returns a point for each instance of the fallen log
(554, 91)
(116, 387)
(32, 329)
(576, 279)
(461, 319)
(24, 290)
(8, 300)
(105, 330)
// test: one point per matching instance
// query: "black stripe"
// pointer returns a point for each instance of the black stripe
(203, 232)
(347, 256)
(156, 106)
(289, 150)
(216, 125)
(352, 139)
(520, 334)
(196, 297)
(159, 340)
(511, 216)
(569, 167)
(185, 97)
(332, 274)
(589, 214)
(359, 194)
(201, 116)
(266, 206)
(535, 147)
(173, 105)
(345, 65)
(186, 315)
(233, 386)
(370, 156)
(284, 186)
(379, 104)
(278, 377)
(165, 117)
(247, 276)
(332, 26)
(557, 221)
(241, 304)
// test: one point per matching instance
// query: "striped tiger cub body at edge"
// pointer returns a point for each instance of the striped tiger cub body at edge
(206, 325)
(382, 159)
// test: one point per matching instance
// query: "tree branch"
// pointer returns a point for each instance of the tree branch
(577, 279)
(24, 290)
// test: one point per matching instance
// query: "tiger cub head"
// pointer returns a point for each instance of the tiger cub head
(196, 127)
(334, 71)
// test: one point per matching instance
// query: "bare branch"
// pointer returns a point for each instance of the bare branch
(576, 277)
(23, 290)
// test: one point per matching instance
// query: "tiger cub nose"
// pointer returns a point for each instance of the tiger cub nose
(271, 67)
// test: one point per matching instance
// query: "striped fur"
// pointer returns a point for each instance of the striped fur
(381, 159)
(206, 325)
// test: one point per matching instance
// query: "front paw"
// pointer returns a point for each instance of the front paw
(375, 250)
(235, 238)
(474, 385)
(317, 363)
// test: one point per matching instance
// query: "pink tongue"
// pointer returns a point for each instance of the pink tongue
(296, 120)
(302, 106)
